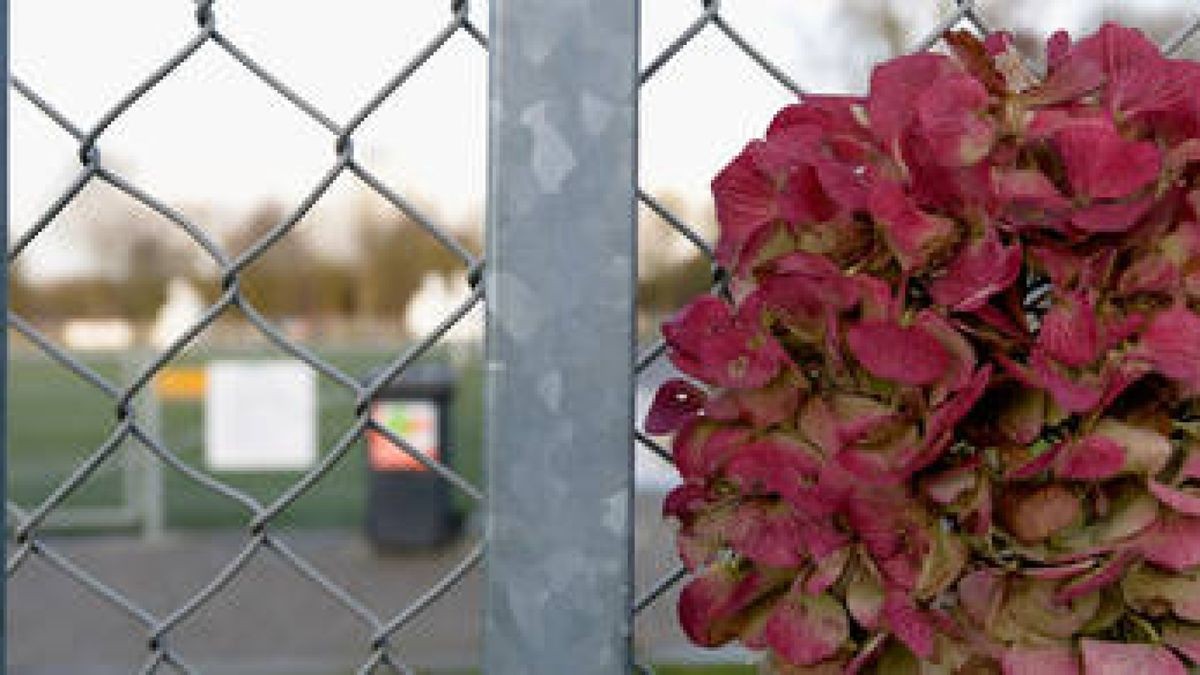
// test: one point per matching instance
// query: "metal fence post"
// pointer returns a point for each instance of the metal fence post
(560, 288)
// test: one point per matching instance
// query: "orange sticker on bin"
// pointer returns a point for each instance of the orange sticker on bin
(414, 421)
(180, 383)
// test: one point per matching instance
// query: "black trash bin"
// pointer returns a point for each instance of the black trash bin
(410, 507)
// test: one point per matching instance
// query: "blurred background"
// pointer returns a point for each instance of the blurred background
(356, 281)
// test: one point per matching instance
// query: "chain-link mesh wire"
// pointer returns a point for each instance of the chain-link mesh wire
(261, 533)
(965, 14)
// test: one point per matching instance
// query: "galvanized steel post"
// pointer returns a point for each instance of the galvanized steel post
(560, 286)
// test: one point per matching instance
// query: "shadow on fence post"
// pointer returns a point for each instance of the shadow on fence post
(560, 288)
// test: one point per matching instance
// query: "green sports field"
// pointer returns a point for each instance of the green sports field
(56, 420)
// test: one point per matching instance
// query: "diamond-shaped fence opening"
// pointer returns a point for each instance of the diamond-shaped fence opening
(162, 629)
(711, 16)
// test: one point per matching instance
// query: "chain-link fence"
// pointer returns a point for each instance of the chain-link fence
(563, 124)
(127, 423)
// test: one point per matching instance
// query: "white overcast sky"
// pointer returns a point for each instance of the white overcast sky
(215, 142)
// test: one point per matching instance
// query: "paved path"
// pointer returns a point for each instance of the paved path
(270, 621)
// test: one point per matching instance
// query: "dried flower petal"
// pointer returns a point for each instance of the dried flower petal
(1040, 661)
(1092, 458)
(1103, 165)
(1171, 343)
(807, 629)
(907, 355)
(984, 268)
(1115, 658)
(909, 624)
(713, 345)
(710, 605)
(915, 237)
(675, 402)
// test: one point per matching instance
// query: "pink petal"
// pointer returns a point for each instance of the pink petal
(1060, 660)
(821, 537)
(827, 571)
(1070, 333)
(844, 184)
(819, 279)
(709, 606)
(1182, 500)
(1114, 217)
(947, 486)
(770, 534)
(1027, 187)
(1076, 396)
(1171, 343)
(907, 355)
(700, 540)
(984, 268)
(1191, 465)
(1103, 165)
(895, 84)
(1092, 458)
(1173, 543)
(710, 343)
(832, 114)
(1058, 46)
(675, 402)
(760, 408)
(701, 448)
(913, 235)
(745, 201)
(777, 464)
(947, 416)
(1147, 452)
(1118, 658)
(909, 624)
(1100, 578)
(961, 370)
(1067, 83)
(1139, 79)
(684, 500)
(981, 592)
(950, 122)
(1035, 466)
(1152, 274)
(807, 629)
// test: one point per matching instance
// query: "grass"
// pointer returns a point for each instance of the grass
(56, 420)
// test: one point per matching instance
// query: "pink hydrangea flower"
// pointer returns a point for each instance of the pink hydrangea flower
(948, 422)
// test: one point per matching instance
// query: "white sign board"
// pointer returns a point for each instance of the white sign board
(260, 416)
